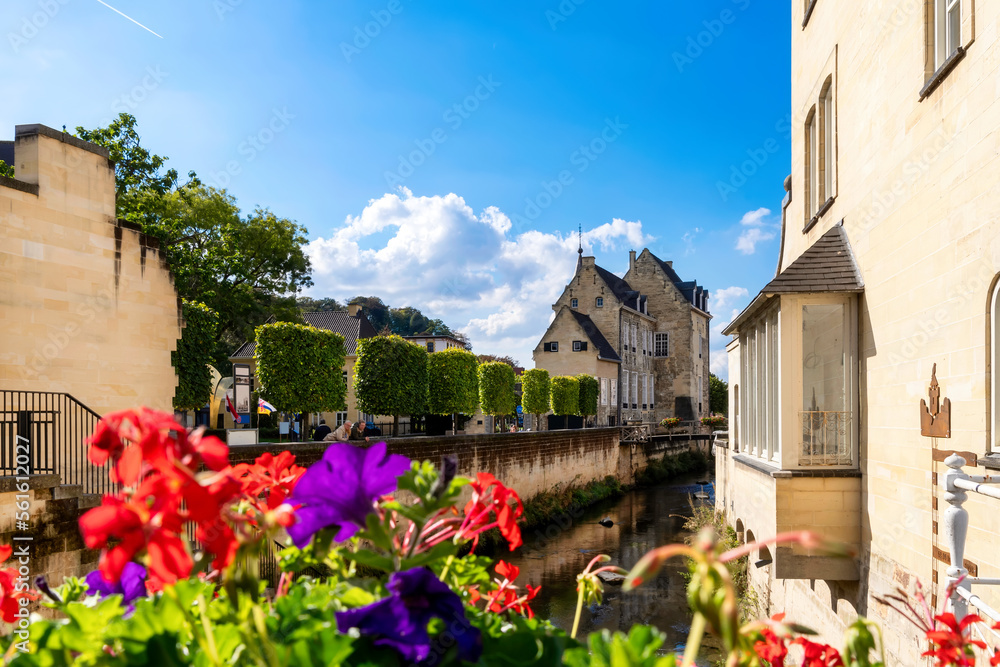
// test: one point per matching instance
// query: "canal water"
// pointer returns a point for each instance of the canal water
(643, 519)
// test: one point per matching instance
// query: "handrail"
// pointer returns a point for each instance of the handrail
(955, 522)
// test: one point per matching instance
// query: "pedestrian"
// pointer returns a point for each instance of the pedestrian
(342, 433)
(358, 432)
(321, 431)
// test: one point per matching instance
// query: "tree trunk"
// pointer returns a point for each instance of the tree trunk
(395, 426)
(454, 423)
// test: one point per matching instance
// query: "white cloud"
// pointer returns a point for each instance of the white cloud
(758, 230)
(753, 218)
(725, 297)
(472, 271)
(688, 240)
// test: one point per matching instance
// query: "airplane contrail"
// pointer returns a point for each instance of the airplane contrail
(129, 18)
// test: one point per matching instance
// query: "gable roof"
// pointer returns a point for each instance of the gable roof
(696, 295)
(827, 266)
(601, 344)
(352, 328)
(621, 289)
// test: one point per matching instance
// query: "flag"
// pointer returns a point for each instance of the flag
(265, 408)
(232, 410)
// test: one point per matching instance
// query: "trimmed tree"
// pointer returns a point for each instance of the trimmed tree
(452, 383)
(590, 388)
(194, 355)
(300, 368)
(390, 377)
(535, 393)
(496, 389)
(718, 395)
(565, 395)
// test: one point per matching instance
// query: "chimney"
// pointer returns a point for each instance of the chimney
(631, 259)
(354, 309)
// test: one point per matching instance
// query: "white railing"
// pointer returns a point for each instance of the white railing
(957, 483)
(826, 438)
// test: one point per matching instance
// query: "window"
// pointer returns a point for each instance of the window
(645, 393)
(635, 336)
(652, 394)
(701, 348)
(827, 402)
(339, 419)
(430, 346)
(826, 149)
(604, 391)
(614, 391)
(993, 344)
(599, 302)
(625, 386)
(812, 166)
(579, 346)
(550, 347)
(635, 390)
(759, 373)
(661, 344)
(947, 29)
(573, 303)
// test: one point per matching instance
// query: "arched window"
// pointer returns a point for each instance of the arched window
(993, 345)
(812, 166)
(826, 147)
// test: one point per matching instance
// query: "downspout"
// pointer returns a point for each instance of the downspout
(784, 211)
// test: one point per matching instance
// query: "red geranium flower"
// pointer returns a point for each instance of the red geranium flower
(772, 648)
(819, 655)
(10, 596)
(952, 646)
(506, 596)
(490, 495)
(274, 477)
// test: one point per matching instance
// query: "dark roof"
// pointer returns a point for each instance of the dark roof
(692, 291)
(351, 328)
(827, 266)
(601, 343)
(7, 152)
(621, 289)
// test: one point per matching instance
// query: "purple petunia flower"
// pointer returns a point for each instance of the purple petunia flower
(400, 621)
(131, 587)
(341, 488)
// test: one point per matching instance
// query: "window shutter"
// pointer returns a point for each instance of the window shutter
(546, 347)
(583, 346)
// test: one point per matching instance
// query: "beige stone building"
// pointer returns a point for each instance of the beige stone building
(644, 337)
(353, 326)
(436, 342)
(888, 266)
(87, 303)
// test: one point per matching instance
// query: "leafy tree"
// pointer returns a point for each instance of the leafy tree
(307, 305)
(565, 395)
(452, 383)
(390, 377)
(247, 268)
(487, 358)
(299, 368)
(496, 388)
(373, 308)
(193, 356)
(138, 178)
(6, 169)
(589, 390)
(718, 395)
(535, 393)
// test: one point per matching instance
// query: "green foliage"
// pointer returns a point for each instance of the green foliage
(535, 391)
(565, 395)
(641, 647)
(668, 467)
(193, 356)
(590, 388)
(706, 516)
(542, 508)
(6, 170)
(307, 305)
(507, 359)
(406, 321)
(452, 382)
(299, 367)
(718, 395)
(246, 268)
(390, 376)
(496, 388)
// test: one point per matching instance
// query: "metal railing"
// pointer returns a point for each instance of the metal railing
(955, 523)
(826, 438)
(44, 433)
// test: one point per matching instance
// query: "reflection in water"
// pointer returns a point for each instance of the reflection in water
(643, 519)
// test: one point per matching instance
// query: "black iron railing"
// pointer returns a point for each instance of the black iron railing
(44, 433)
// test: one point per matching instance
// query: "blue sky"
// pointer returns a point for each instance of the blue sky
(442, 155)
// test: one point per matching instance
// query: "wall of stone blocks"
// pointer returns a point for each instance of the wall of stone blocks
(88, 305)
(56, 549)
